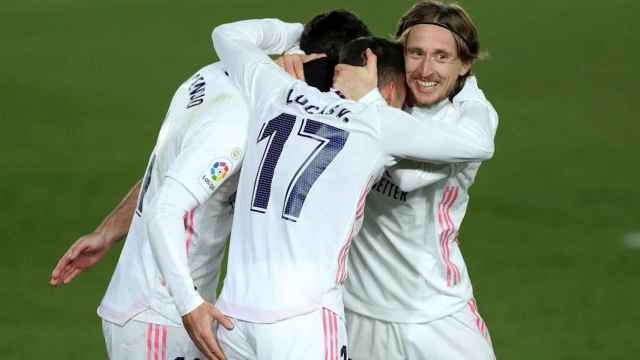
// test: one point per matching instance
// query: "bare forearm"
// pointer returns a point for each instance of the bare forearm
(115, 226)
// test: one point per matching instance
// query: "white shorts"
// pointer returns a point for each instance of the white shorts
(145, 341)
(461, 336)
(319, 335)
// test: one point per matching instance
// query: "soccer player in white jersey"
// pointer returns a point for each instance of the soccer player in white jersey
(168, 269)
(198, 147)
(311, 159)
(409, 295)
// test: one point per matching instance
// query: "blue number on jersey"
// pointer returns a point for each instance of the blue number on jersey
(331, 141)
(277, 130)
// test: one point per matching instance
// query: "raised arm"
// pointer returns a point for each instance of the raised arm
(243, 47)
(89, 249)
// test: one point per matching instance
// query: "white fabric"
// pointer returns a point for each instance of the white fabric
(164, 223)
(284, 263)
(459, 336)
(320, 334)
(200, 147)
(140, 340)
(406, 262)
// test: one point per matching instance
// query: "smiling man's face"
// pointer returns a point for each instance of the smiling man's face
(432, 63)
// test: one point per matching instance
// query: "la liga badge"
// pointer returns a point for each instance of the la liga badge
(216, 173)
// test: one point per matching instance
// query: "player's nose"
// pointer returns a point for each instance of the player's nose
(426, 66)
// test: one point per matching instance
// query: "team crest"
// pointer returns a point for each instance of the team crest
(236, 153)
(216, 173)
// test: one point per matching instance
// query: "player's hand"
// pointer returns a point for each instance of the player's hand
(293, 64)
(199, 324)
(83, 254)
(354, 82)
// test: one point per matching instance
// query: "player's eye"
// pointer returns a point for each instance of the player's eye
(415, 53)
(443, 57)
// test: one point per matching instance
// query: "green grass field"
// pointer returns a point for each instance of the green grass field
(84, 87)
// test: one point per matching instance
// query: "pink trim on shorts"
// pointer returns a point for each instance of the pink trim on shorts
(156, 341)
(324, 331)
(330, 329)
(448, 228)
(149, 336)
(165, 334)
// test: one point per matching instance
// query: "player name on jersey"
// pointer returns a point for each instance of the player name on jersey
(339, 110)
(196, 91)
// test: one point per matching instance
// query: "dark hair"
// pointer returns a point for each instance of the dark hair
(390, 57)
(328, 32)
(319, 73)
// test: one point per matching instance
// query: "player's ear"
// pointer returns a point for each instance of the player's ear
(466, 67)
(387, 91)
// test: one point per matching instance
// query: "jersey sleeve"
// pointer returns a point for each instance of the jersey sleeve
(467, 137)
(213, 147)
(164, 226)
(412, 175)
(243, 47)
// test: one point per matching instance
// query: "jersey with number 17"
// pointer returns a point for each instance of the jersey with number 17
(311, 159)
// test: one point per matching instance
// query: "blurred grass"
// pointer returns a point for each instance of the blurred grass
(84, 87)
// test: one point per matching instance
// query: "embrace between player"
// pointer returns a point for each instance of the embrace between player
(288, 252)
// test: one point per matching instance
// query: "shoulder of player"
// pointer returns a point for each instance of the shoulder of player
(211, 73)
(207, 87)
(472, 93)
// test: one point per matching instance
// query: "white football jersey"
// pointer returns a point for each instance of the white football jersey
(200, 145)
(311, 159)
(406, 264)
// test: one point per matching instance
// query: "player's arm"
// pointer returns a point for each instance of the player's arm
(165, 230)
(91, 248)
(243, 47)
(468, 138)
(211, 153)
(411, 175)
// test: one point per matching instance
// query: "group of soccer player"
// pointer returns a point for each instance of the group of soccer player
(357, 155)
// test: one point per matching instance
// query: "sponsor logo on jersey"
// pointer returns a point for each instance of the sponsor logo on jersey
(389, 189)
(216, 173)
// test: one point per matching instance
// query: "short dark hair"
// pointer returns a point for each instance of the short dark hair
(328, 32)
(319, 73)
(390, 57)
